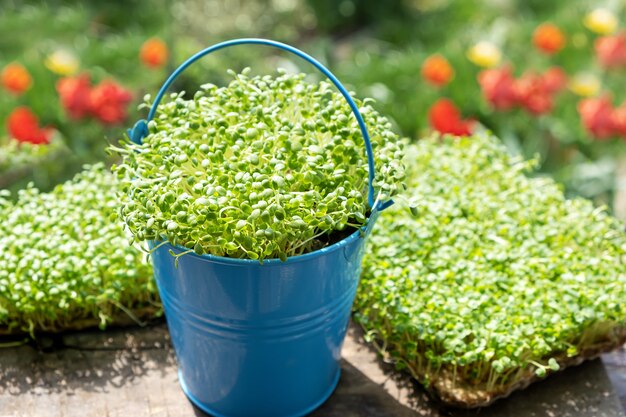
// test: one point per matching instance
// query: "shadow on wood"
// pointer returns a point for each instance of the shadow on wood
(86, 361)
(132, 372)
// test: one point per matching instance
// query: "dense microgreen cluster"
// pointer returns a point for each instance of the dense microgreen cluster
(14, 154)
(267, 167)
(494, 278)
(66, 260)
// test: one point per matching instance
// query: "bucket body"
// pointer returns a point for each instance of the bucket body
(254, 339)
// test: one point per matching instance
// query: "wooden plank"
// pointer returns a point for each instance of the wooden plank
(132, 372)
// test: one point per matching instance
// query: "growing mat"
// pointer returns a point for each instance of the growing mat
(493, 279)
(65, 262)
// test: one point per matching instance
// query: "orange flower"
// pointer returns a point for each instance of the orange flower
(597, 116)
(445, 118)
(153, 53)
(548, 38)
(498, 87)
(108, 102)
(74, 93)
(23, 126)
(611, 50)
(16, 79)
(437, 70)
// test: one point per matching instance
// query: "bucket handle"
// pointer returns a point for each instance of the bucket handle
(140, 129)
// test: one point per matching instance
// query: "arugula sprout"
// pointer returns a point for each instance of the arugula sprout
(491, 278)
(267, 167)
(66, 259)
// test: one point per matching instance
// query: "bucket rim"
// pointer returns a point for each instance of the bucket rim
(359, 233)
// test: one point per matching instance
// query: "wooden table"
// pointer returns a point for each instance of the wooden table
(132, 373)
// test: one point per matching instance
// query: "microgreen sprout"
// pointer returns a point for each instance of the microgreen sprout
(493, 278)
(66, 259)
(267, 167)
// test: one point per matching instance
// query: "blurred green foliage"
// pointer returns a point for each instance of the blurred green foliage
(105, 36)
(377, 48)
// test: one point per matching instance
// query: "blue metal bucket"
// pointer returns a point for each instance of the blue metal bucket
(260, 339)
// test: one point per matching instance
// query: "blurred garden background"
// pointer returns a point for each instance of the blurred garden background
(546, 77)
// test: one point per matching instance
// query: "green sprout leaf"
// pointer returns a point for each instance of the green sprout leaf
(497, 276)
(65, 261)
(553, 364)
(266, 167)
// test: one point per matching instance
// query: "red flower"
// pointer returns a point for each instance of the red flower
(533, 94)
(618, 118)
(437, 70)
(153, 53)
(548, 38)
(597, 116)
(611, 50)
(74, 93)
(498, 87)
(23, 126)
(15, 79)
(445, 118)
(108, 102)
(554, 79)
